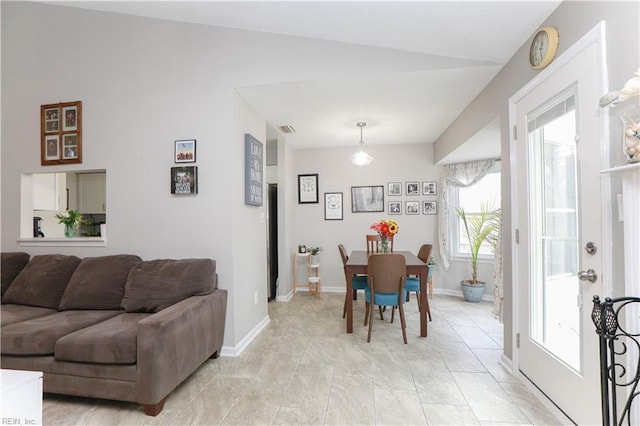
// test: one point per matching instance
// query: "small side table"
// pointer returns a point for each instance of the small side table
(313, 283)
(21, 397)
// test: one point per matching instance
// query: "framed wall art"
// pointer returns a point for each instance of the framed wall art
(394, 188)
(61, 133)
(185, 151)
(184, 180)
(308, 189)
(395, 207)
(367, 199)
(429, 207)
(412, 188)
(412, 207)
(253, 173)
(429, 188)
(333, 206)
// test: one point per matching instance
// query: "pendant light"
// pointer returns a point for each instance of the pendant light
(361, 158)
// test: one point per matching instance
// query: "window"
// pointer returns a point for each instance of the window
(487, 191)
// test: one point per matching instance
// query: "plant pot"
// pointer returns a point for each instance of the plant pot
(472, 292)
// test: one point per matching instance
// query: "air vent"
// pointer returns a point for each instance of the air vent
(287, 129)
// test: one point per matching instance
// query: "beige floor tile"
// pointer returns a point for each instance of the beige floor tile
(304, 369)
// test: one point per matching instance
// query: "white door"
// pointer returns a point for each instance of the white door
(558, 217)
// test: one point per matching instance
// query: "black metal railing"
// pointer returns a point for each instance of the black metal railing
(618, 327)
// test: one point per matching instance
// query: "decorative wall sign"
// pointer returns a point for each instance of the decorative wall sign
(185, 151)
(333, 206)
(367, 199)
(184, 180)
(61, 133)
(308, 189)
(253, 173)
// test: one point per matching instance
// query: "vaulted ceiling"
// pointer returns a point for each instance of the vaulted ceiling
(457, 47)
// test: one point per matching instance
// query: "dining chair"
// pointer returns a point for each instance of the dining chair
(386, 275)
(413, 283)
(374, 245)
(359, 282)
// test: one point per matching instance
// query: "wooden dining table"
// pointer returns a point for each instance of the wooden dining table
(357, 264)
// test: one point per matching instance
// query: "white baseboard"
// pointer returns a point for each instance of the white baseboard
(234, 351)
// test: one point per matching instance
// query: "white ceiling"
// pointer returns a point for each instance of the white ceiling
(456, 48)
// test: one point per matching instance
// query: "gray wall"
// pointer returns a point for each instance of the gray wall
(573, 19)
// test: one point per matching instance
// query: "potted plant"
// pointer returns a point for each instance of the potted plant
(315, 253)
(71, 220)
(479, 228)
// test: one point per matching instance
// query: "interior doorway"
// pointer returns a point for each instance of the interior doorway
(272, 242)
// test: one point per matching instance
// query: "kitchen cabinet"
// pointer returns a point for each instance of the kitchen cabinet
(49, 191)
(92, 192)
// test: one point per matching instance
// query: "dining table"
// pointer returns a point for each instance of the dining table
(357, 264)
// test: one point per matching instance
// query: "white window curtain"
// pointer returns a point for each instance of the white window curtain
(456, 175)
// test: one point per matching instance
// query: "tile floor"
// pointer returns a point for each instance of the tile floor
(304, 369)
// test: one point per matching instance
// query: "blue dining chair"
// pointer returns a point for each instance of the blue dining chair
(413, 283)
(386, 273)
(359, 282)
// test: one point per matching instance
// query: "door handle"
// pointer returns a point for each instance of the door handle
(588, 275)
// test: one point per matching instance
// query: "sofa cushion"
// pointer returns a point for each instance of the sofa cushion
(38, 336)
(12, 314)
(42, 281)
(10, 266)
(157, 284)
(98, 282)
(113, 341)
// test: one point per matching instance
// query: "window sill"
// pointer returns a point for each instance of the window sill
(63, 242)
(462, 258)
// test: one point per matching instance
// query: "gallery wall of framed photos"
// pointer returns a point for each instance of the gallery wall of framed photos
(396, 206)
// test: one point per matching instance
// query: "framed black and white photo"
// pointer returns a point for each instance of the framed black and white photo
(185, 151)
(253, 170)
(184, 180)
(429, 207)
(395, 207)
(308, 189)
(394, 189)
(367, 199)
(333, 206)
(412, 207)
(429, 188)
(412, 188)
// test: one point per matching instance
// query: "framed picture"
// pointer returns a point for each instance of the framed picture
(70, 118)
(412, 207)
(185, 151)
(308, 189)
(69, 146)
(184, 180)
(367, 199)
(52, 144)
(394, 189)
(429, 207)
(429, 188)
(395, 207)
(412, 188)
(61, 133)
(333, 206)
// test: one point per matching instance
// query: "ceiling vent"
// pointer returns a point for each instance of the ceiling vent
(287, 129)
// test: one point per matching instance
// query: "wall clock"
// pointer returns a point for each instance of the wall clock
(543, 47)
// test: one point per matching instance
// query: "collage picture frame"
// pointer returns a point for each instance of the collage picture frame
(61, 133)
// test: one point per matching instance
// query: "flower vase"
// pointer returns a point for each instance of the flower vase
(70, 230)
(629, 112)
(384, 244)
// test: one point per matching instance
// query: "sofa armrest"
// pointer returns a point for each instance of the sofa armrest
(174, 342)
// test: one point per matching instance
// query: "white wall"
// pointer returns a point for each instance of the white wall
(573, 19)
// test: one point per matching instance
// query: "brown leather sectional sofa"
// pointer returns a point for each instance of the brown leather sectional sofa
(112, 327)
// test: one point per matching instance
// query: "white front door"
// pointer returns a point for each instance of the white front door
(558, 215)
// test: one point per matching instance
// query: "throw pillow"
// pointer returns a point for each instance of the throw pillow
(42, 281)
(157, 284)
(98, 282)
